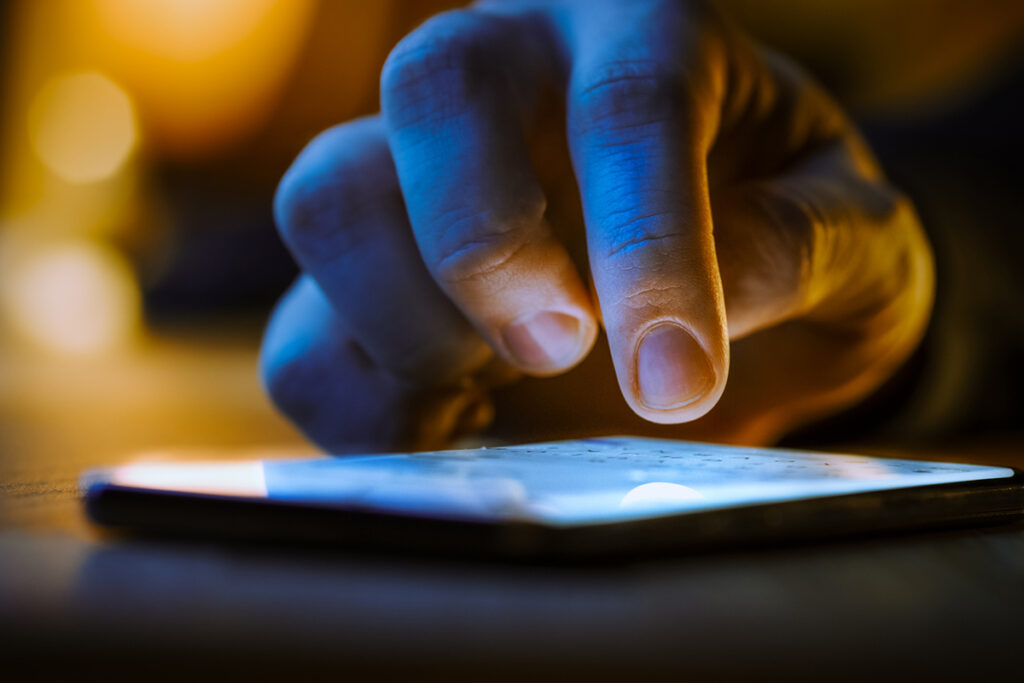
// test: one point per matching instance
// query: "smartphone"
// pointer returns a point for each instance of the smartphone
(566, 499)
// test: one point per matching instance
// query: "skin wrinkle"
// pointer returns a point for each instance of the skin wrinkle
(630, 72)
(887, 304)
(623, 252)
(458, 216)
(467, 244)
(440, 53)
(832, 260)
(617, 135)
(436, 119)
(446, 129)
(631, 192)
(609, 102)
(440, 109)
(627, 142)
(469, 67)
(782, 97)
(621, 186)
(828, 226)
(646, 297)
(452, 269)
(804, 231)
(652, 296)
(640, 238)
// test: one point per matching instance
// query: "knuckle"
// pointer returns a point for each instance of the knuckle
(628, 94)
(474, 248)
(446, 61)
(646, 301)
(635, 232)
(476, 244)
(787, 253)
(328, 203)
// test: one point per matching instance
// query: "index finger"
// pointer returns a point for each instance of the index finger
(642, 116)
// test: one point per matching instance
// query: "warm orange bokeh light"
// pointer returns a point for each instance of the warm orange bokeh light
(204, 73)
(77, 297)
(82, 127)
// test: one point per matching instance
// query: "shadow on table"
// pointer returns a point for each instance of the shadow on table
(942, 603)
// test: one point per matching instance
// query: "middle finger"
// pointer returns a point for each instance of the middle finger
(474, 202)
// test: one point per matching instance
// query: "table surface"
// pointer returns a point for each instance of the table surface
(946, 603)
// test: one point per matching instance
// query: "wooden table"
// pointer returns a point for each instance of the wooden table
(948, 605)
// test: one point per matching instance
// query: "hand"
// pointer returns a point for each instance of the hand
(723, 197)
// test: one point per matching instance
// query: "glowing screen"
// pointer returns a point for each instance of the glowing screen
(559, 483)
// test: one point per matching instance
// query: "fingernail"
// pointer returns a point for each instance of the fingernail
(672, 369)
(544, 340)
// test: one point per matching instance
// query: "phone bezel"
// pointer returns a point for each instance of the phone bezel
(264, 520)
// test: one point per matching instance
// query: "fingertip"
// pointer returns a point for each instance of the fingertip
(675, 377)
(672, 369)
(548, 342)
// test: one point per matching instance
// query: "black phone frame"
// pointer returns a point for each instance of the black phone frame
(916, 508)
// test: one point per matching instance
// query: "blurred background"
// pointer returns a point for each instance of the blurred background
(141, 141)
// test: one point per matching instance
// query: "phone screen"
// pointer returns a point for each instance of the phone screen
(565, 483)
